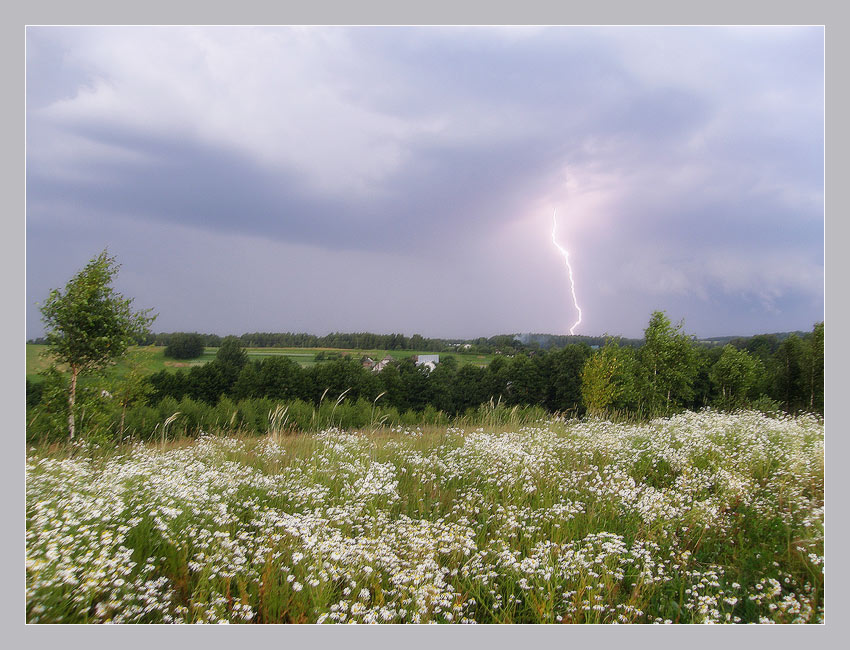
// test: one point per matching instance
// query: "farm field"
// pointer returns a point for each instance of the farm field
(152, 359)
(703, 517)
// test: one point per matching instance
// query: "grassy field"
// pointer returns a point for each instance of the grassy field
(705, 517)
(152, 359)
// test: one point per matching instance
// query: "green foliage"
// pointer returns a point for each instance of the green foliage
(185, 346)
(474, 386)
(813, 362)
(47, 419)
(668, 364)
(526, 382)
(89, 324)
(414, 385)
(797, 372)
(734, 374)
(564, 378)
(789, 383)
(231, 355)
(34, 393)
(608, 379)
(441, 385)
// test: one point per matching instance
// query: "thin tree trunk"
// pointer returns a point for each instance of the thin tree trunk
(72, 396)
(812, 384)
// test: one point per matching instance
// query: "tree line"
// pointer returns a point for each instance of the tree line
(174, 342)
(667, 373)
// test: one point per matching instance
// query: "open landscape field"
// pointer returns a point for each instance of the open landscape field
(702, 517)
(152, 359)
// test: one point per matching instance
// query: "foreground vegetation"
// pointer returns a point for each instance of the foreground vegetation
(702, 517)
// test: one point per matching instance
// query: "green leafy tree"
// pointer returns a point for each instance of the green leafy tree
(668, 362)
(209, 382)
(414, 382)
(734, 374)
(441, 384)
(812, 362)
(89, 324)
(704, 389)
(495, 378)
(229, 361)
(184, 345)
(248, 384)
(789, 382)
(527, 385)
(389, 381)
(566, 365)
(231, 353)
(470, 388)
(608, 379)
(280, 378)
(131, 390)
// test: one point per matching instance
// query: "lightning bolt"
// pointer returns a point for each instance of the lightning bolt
(569, 270)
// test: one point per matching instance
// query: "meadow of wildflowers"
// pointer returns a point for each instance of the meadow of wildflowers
(703, 517)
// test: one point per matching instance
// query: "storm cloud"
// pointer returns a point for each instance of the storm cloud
(403, 179)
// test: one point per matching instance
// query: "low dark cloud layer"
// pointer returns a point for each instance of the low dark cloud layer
(686, 165)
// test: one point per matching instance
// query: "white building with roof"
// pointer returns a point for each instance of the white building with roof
(430, 361)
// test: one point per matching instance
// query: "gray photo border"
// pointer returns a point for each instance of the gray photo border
(542, 12)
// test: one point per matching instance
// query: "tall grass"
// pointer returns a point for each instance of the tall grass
(47, 423)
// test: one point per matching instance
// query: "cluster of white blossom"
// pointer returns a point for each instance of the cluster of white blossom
(565, 521)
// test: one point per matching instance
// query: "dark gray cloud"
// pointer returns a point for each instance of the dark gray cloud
(686, 165)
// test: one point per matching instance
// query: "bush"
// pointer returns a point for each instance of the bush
(766, 405)
(47, 421)
(34, 392)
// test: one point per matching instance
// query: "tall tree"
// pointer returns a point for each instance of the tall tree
(734, 374)
(669, 364)
(89, 324)
(813, 360)
(229, 361)
(608, 379)
(789, 382)
(566, 365)
(526, 381)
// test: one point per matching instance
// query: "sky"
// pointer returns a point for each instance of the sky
(404, 179)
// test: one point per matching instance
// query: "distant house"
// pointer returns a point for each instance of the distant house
(369, 363)
(430, 361)
(382, 364)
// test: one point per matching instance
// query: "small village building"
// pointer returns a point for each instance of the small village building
(382, 364)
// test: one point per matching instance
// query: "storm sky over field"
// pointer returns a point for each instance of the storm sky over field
(403, 179)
